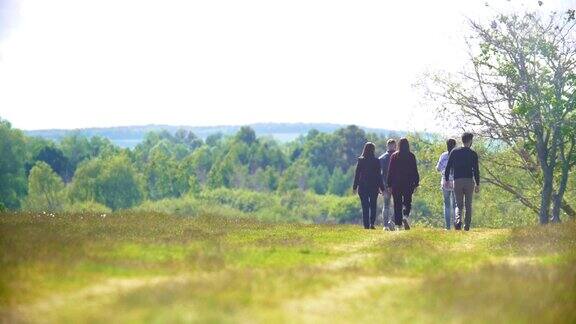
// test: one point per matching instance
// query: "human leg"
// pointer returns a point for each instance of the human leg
(459, 194)
(364, 201)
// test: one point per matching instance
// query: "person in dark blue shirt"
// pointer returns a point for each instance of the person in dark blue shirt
(463, 163)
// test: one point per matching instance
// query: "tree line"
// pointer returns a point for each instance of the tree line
(243, 171)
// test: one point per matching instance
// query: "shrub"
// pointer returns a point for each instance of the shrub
(243, 200)
(86, 207)
(186, 205)
(345, 209)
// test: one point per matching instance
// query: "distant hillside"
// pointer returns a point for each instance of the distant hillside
(130, 136)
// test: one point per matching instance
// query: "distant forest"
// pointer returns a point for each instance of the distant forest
(130, 136)
(308, 179)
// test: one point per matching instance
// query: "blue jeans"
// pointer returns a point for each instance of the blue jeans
(449, 206)
(387, 211)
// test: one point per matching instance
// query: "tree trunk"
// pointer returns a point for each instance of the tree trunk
(556, 207)
(546, 197)
(559, 197)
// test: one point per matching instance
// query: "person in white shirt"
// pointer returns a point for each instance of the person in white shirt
(447, 188)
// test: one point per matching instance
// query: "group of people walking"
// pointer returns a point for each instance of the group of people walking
(395, 176)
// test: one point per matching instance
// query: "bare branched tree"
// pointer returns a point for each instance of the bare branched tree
(519, 92)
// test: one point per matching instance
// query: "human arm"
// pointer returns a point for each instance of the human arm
(476, 173)
(416, 174)
(476, 169)
(440, 165)
(356, 177)
(381, 186)
(449, 166)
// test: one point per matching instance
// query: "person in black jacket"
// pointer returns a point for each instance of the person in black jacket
(402, 181)
(368, 183)
(463, 162)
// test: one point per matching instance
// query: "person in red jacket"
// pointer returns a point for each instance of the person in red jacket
(402, 181)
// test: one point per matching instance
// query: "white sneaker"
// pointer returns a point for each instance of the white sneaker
(389, 227)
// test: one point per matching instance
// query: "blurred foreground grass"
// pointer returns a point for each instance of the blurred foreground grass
(158, 268)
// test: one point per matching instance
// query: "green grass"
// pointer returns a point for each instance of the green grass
(144, 267)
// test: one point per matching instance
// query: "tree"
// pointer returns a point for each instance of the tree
(214, 139)
(113, 182)
(295, 177)
(221, 174)
(12, 157)
(520, 91)
(85, 185)
(352, 140)
(323, 150)
(161, 171)
(339, 182)
(45, 189)
(100, 146)
(246, 134)
(120, 185)
(76, 148)
(56, 159)
(318, 178)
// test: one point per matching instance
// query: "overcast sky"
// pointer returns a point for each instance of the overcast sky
(80, 63)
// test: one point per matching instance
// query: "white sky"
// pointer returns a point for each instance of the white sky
(80, 63)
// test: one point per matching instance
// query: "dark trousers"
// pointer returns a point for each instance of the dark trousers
(402, 205)
(369, 200)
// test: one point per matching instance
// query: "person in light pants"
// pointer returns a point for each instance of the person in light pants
(384, 163)
(447, 189)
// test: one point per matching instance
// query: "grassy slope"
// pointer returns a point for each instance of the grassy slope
(161, 268)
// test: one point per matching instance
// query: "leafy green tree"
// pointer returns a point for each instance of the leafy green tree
(120, 185)
(214, 139)
(246, 134)
(339, 183)
(194, 187)
(221, 174)
(264, 180)
(113, 182)
(200, 162)
(12, 157)
(318, 178)
(268, 154)
(45, 189)
(323, 150)
(76, 148)
(295, 177)
(100, 146)
(56, 159)
(161, 172)
(188, 139)
(352, 139)
(85, 185)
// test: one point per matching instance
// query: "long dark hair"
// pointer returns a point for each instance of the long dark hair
(450, 144)
(368, 151)
(403, 146)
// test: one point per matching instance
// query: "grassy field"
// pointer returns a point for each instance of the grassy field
(158, 268)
